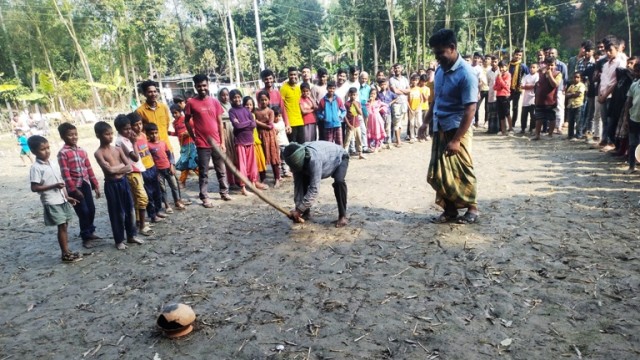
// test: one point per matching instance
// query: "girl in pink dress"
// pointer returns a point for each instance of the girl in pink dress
(375, 120)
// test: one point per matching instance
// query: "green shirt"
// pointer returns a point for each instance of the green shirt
(634, 94)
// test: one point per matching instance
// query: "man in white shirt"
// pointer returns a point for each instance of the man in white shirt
(492, 111)
(399, 85)
(608, 83)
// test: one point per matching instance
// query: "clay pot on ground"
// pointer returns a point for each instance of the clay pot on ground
(176, 320)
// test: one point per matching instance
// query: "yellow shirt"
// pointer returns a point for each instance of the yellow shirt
(291, 98)
(426, 92)
(159, 116)
(576, 101)
(415, 98)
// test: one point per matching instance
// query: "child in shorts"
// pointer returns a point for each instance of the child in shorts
(24, 147)
(134, 177)
(46, 179)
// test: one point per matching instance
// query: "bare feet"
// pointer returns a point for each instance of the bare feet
(135, 240)
(121, 246)
(342, 222)
(161, 215)
(277, 184)
(243, 191)
(88, 244)
(225, 197)
(94, 237)
(261, 186)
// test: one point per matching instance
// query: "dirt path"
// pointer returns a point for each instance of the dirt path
(550, 272)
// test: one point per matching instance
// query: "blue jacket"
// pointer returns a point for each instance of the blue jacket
(331, 112)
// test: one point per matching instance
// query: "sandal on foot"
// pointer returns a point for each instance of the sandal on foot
(71, 257)
(169, 211)
(468, 218)
(207, 204)
(179, 206)
(146, 231)
(186, 202)
(444, 218)
(121, 246)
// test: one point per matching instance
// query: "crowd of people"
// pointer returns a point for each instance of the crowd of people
(326, 120)
(590, 96)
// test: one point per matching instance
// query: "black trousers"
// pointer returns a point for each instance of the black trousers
(483, 97)
(515, 101)
(340, 186)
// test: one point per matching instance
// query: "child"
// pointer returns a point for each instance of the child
(243, 126)
(115, 165)
(163, 158)
(503, 92)
(575, 98)
(79, 179)
(424, 108)
(261, 161)
(179, 102)
(528, 99)
(415, 109)
(134, 177)
(492, 121)
(282, 139)
(377, 110)
(390, 99)
(308, 107)
(46, 180)
(188, 154)
(24, 147)
(268, 135)
(354, 114)
(150, 174)
(331, 113)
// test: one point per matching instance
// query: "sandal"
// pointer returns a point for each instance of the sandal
(444, 218)
(468, 218)
(71, 257)
(169, 210)
(207, 204)
(179, 206)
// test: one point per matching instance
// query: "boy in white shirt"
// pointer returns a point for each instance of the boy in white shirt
(528, 98)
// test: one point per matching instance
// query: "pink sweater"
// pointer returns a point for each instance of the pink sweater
(503, 84)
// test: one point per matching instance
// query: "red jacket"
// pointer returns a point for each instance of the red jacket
(503, 84)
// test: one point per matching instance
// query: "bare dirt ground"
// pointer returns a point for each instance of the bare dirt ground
(550, 272)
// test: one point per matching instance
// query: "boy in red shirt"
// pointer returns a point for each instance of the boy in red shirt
(163, 159)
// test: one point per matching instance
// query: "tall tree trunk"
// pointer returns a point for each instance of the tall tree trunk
(524, 37)
(418, 33)
(626, 5)
(9, 51)
(125, 70)
(180, 27)
(447, 14)
(424, 31)
(234, 45)
(375, 53)
(133, 74)
(486, 25)
(83, 58)
(33, 81)
(54, 79)
(509, 22)
(223, 20)
(393, 56)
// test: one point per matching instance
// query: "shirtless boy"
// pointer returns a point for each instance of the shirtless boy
(115, 165)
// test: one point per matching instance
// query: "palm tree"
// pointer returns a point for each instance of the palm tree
(333, 48)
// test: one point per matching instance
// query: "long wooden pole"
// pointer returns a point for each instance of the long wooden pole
(248, 183)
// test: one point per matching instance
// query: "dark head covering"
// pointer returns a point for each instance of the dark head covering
(294, 155)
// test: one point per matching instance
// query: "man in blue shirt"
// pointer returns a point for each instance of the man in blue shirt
(451, 172)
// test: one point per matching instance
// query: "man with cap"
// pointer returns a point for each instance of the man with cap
(310, 163)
